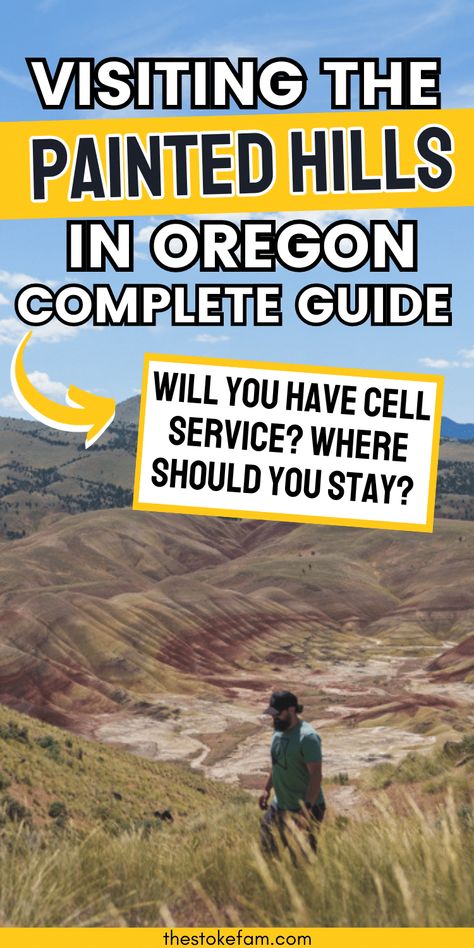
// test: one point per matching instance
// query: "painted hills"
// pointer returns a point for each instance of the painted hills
(135, 627)
(107, 611)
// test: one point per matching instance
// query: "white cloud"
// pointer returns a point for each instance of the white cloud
(438, 363)
(3, 300)
(54, 332)
(10, 403)
(206, 337)
(465, 93)
(16, 280)
(424, 21)
(13, 79)
(144, 234)
(42, 381)
(466, 361)
(214, 47)
(467, 90)
(323, 218)
(12, 330)
(46, 5)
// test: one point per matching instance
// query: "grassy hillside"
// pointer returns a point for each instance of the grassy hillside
(62, 785)
(45, 472)
(73, 854)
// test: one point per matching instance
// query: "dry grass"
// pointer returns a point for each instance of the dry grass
(101, 788)
(381, 872)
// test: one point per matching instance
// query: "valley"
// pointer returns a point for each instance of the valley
(138, 651)
(164, 634)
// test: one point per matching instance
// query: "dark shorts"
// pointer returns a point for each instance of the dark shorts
(279, 822)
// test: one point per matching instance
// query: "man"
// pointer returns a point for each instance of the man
(295, 775)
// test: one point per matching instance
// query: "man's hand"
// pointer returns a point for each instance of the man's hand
(263, 800)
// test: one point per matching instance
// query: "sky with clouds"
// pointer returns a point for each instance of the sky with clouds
(109, 361)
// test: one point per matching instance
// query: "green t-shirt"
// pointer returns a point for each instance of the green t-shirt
(291, 750)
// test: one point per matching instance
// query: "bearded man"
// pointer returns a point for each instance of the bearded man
(295, 777)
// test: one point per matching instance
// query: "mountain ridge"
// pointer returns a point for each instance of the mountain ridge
(45, 474)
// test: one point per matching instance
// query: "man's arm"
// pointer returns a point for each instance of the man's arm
(314, 784)
(263, 800)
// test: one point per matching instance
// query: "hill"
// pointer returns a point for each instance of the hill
(138, 627)
(93, 837)
(452, 429)
(134, 627)
(457, 663)
(46, 473)
(55, 782)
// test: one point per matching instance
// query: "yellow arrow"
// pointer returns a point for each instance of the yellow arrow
(84, 410)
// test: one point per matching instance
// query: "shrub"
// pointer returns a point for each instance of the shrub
(467, 744)
(466, 815)
(56, 809)
(14, 810)
(51, 745)
(147, 826)
(23, 778)
(58, 812)
(413, 768)
(46, 741)
(12, 732)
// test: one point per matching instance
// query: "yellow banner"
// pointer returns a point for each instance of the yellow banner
(235, 937)
(236, 164)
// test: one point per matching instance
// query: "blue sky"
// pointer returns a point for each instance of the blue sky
(110, 361)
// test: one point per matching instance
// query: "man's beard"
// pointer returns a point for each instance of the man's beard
(279, 725)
